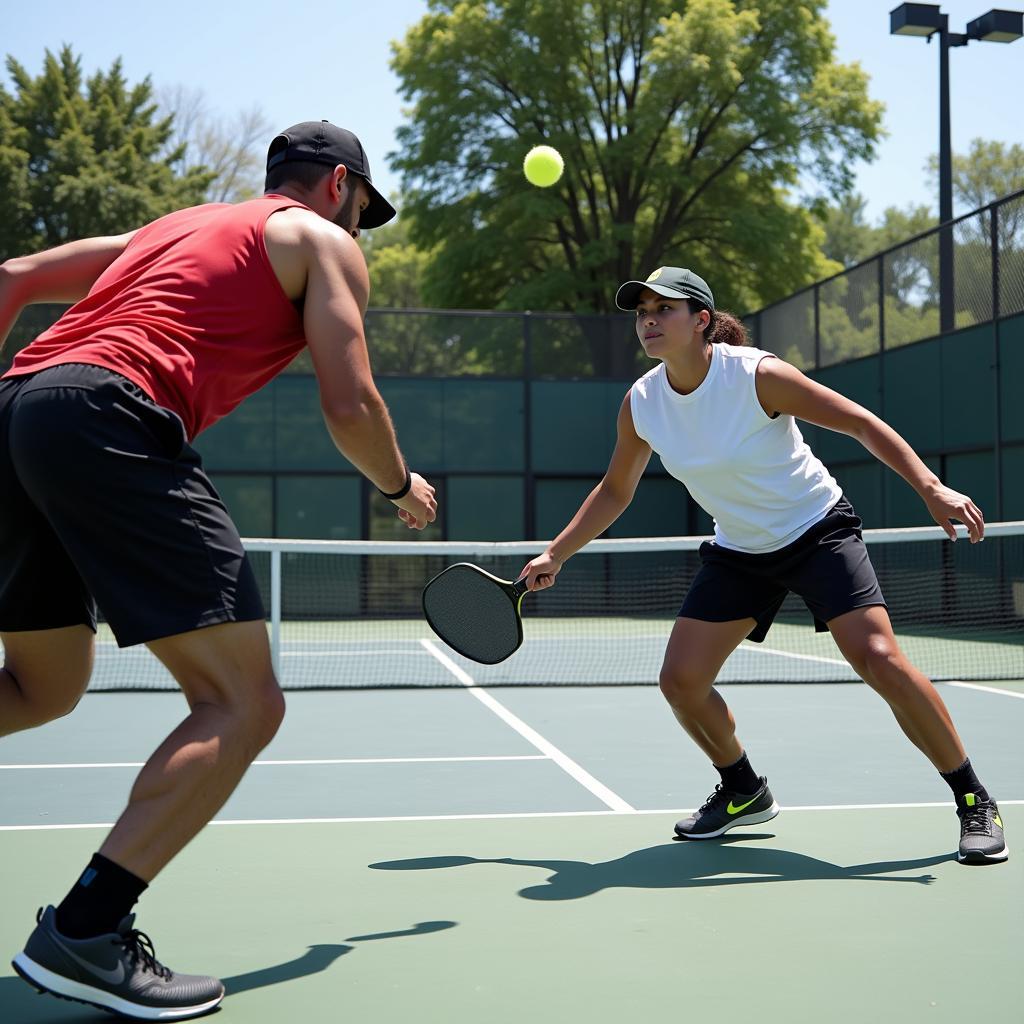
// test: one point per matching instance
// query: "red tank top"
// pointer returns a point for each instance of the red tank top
(191, 312)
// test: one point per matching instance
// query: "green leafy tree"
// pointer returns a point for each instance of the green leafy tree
(403, 342)
(989, 171)
(83, 156)
(396, 266)
(685, 125)
(851, 239)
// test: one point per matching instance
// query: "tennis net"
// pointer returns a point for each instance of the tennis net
(347, 614)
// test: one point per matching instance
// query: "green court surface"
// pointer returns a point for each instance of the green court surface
(507, 855)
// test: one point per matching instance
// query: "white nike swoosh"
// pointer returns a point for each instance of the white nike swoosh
(114, 977)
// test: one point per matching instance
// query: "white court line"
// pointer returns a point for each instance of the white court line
(347, 654)
(278, 764)
(789, 654)
(566, 763)
(398, 819)
(985, 689)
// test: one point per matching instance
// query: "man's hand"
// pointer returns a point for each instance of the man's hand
(418, 507)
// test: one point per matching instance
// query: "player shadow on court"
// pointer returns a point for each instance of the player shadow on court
(21, 1004)
(680, 865)
(319, 958)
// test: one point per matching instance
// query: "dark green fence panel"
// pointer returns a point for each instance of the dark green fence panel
(858, 381)
(862, 483)
(974, 474)
(660, 508)
(902, 505)
(913, 395)
(557, 502)
(1013, 482)
(968, 389)
(246, 438)
(573, 425)
(485, 508)
(301, 441)
(328, 507)
(417, 408)
(482, 425)
(250, 500)
(1011, 378)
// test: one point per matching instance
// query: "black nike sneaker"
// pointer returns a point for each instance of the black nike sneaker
(725, 809)
(117, 972)
(981, 831)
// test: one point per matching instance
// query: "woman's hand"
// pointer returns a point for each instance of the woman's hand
(945, 504)
(540, 573)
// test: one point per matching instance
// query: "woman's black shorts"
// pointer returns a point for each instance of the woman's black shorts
(102, 500)
(827, 566)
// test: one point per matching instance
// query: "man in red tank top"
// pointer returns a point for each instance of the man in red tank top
(106, 502)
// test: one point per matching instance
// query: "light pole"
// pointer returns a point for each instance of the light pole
(927, 20)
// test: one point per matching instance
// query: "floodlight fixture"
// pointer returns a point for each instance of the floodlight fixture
(915, 20)
(997, 27)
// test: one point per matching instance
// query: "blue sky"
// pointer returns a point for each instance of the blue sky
(329, 58)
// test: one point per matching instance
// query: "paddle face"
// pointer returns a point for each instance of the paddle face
(475, 613)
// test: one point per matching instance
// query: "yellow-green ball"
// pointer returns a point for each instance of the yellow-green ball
(543, 166)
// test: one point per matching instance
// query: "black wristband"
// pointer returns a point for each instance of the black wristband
(402, 491)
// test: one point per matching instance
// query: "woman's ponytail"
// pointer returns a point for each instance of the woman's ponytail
(723, 328)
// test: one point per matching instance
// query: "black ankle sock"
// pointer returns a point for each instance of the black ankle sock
(99, 900)
(739, 776)
(962, 780)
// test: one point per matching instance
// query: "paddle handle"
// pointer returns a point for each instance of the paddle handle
(519, 588)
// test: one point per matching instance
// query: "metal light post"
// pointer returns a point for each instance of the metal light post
(927, 20)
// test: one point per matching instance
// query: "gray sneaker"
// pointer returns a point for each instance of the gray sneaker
(981, 831)
(725, 809)
(117, 972)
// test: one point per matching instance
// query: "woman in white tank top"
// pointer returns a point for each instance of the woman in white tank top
(722, 417)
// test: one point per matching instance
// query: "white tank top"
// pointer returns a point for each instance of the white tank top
(754, 474)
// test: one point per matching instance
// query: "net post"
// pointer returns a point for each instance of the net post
(275, 611)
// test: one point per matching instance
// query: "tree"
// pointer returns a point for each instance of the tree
(82, 156)
(850, 239)
(231, 149)
(401, 341)
(685, 127)
(989, 171)
(396, 266)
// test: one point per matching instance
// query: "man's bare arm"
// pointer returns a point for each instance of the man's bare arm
(336, 293)
(63, 274)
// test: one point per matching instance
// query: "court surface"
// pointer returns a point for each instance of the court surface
(506, 855)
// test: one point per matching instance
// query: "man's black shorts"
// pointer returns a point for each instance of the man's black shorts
(828, 566)
(102, 500)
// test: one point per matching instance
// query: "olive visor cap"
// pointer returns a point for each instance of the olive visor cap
(672, 282)
(321, 142)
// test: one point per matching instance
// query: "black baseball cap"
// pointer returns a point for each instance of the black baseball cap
(672, 282)
(321, 142)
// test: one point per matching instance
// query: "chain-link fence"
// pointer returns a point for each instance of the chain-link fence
(460, 343)
(898, 297)
(1010, 261)
(889, 301)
